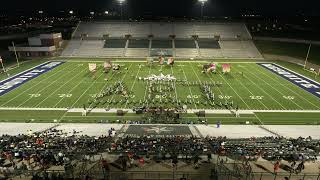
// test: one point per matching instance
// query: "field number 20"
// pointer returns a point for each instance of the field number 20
(34, 95)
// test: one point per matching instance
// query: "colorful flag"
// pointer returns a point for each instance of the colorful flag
(161, 60)
(92, 67)
(213, 67)
(170, 61)
(226, 68)
(107, 65)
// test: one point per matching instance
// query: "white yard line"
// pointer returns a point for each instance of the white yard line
(33, 109)
(93, 83)
(38, 92)
(112, 97)
(175, 87)
(105, 84)
(160, 82)
(147, 85)
(191, 111)
(134, 82)
(69, 92)
(43, 80)
(210, 80)
(235, 91)
(189, 88)
(258, 119)
(177, 60)
(252, 93)
(64, 114)
(271, 87)
(266, 74)
(60, 88)
(106, 116)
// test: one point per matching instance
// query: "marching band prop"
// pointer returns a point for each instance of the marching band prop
(92, 67)
(209, 68)
(163, 61)
(226, 68)
(107, 66)
(212, 68)
(170, 61)
(150, 61)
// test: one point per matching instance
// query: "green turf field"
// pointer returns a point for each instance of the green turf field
(71, 85)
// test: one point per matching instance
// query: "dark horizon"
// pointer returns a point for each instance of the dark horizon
(168, 8)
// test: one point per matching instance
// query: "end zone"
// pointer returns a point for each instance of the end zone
(14, 82)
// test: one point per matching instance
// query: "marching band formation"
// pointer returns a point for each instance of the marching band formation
(160, 90)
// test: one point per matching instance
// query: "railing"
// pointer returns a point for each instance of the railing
(216, 173)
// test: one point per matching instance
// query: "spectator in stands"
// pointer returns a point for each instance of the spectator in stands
(276, 167)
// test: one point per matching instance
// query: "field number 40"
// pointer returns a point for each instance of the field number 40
(256, 97)
(289, 97)
(64, 95)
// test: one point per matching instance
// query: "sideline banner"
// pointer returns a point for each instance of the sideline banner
(305, 83)
(14, 82)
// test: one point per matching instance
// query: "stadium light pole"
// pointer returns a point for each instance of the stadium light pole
(121, 2)
(15, 53)
(307, 57)
(202, 6)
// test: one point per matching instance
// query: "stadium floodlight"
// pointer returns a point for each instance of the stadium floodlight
(92, 13)
(71, 12)
(106, 12)
(121, 2)
(202, 5)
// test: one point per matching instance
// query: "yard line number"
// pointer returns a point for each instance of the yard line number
(34, 95)
(193, 97)
(256, 97)
(224, 97)
(65, 95)
(288, 97)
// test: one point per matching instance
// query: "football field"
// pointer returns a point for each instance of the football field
(249, 87)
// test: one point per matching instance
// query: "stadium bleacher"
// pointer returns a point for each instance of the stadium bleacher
(163, 43)
(208, 44)
(233, 39)
(184, 43)
(115, 43)
(139, 43)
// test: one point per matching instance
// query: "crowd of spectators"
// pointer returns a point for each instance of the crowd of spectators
(269, 148)
(171, 149)
(42, 150)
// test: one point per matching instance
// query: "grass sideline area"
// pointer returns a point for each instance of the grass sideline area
(64, 117)
(296, 50)
(71, 85)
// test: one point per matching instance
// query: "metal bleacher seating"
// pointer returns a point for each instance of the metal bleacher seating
(137, 39)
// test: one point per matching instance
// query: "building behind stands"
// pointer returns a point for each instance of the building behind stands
(42, 45)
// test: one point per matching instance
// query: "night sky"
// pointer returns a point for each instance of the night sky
(174, 8)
